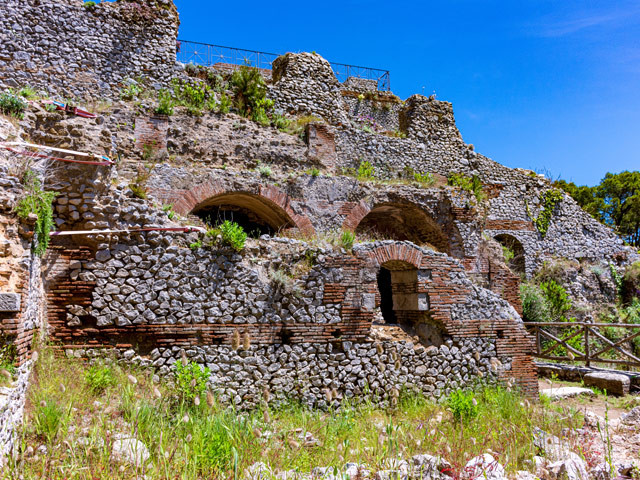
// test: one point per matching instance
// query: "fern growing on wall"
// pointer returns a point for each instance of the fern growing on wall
(38, 202)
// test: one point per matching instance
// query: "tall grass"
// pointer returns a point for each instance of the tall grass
(206, 439)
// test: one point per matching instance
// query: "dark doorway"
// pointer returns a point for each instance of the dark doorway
(386, 296)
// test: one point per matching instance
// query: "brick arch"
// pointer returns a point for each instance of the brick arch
(267, 194)
(404, 218)
(397, 254)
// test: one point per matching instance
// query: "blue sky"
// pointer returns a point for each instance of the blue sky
(539, 84)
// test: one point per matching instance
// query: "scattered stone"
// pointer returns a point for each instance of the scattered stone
(632, 418)
(614, 383)
(566, 392)
(130, 450)
(484, 466)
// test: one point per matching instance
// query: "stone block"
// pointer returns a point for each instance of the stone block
(614, 383)
(9, 302)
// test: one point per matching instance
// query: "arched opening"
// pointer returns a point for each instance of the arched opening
(255, 214)
(402, 221)
(513, 252)
(402, 306)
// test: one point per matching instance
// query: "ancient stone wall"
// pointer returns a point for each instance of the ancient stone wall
(67, 48)
(306, 371)
(304, 83)
(161, 294)
(21, 306)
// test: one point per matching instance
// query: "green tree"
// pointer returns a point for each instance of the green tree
(620, 193)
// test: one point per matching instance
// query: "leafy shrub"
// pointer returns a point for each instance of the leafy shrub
(130, 91)
(195, 245)
(98, 378)
(265, 171)
(365, 171)
(424, 179)
(50, 418)
(314, 172)
(192, 96)
(224, 105)
(191, 380)
(281, 122)
(557, 299)
(250, 90)
(535, 307)
(507, 253)
(233, 235)
(470, 184)
(463, 405)
(346, 239)
(165, 102)
(11, 104)
(39, 202)
(27, 92)
(230, 234)
(89, 4)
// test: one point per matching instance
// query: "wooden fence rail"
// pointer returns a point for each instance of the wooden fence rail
(549, 336)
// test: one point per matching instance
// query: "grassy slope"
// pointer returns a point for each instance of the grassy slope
(70, 413)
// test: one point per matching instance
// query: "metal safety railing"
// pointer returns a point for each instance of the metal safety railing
(208, 55)
(585, 342)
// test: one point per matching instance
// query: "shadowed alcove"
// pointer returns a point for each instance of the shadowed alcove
(403, 221)
(255, 214)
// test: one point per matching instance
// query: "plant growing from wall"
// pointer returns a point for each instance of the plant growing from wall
(631, 283)
(229, 233)
(549, 200)
(535, 307)
(469, 184)
(130, 91)
(346, 239)
(193, 96)
(39, 202)
(250, 94)
(365, 171)
(283, 282)
(165, 102)
(617, 279)
(557, 299)
(12, 104)
(508, 254)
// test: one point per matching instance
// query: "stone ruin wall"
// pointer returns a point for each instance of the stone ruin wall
(104, 45)
(147, 302)
(65, 48)
(22, 308)
(147, 298)
(434, 145)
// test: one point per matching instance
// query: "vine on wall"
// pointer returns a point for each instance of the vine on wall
(39, 202)
(549, 200)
